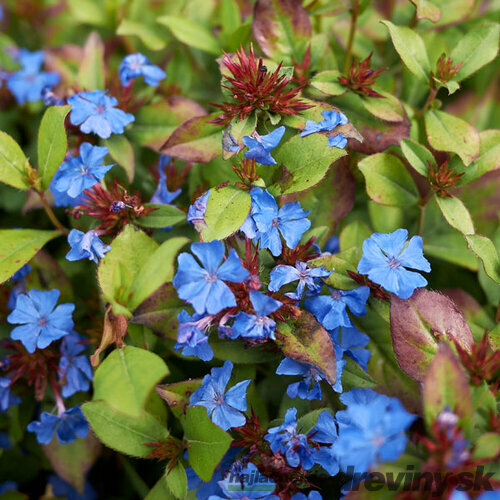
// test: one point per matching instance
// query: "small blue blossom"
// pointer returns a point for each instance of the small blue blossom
(229, 143)
(27, 84)
(485, 495)
(8, 486)
(293, 445)
(191, 337)
(5, 442)
(332, 246)
(313, 495)
(222, 407)
(386, 258)
(7, 399)
(95, 112)
(196, 212)
(40, 322)
(205, 489)
(302, 389)
(266, 222)
(135, 65)
(162, 195)
(282, 274)
(21, 273)
(371, 429)
(325, 433)
(256, 326)
(351, 342)
(248, 484)
(204, 287)
(81, 172)
(259, 147)
(86, 246)
(50, 99)
(70, 425)
(332, 119)
(331, 310)
(63, 489)
(74, 368)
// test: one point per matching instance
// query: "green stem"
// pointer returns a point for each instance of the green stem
(352, 32)
(50, 213)
(421, 219)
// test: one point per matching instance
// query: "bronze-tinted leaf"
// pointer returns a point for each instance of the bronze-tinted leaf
(419, 324)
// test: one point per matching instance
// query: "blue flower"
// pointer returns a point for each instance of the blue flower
(196, 212)
(256, 326)
(162, 195)
(86, 246)
(351, 342)
(81, 172)
(7, 399)
(27, 84)
(7, 486)
(135, 65)
(70, 426)
(486, 495)
(95, 113)
(191, 338)
(63, 489)
(259, 147)
(302, 389)
(205, 489)
(265, 222)
(204, 287)
(332, 119)
(74, 369)
(313, 495)
(247, 484)
(282, 274)
(5, 442)
(386, 257)
(331, 310)
(40, 322)
(222, 407)
(325, 433)
(371, 429)
(21, 273)
(287, 440)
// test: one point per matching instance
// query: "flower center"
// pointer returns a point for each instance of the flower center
(211, 278)
(336, 295)
(378, 440)
(394, 263)
(100, 108)
(219, 398)
(43, 321)
(275, 222)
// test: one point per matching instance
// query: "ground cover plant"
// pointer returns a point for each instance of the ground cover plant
(249, 249)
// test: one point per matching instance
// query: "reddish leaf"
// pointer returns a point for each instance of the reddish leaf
(419, 324)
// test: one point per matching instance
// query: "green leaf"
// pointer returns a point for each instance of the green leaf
(92, 68)
(151, 35)
(206, 442)
(235, 351)
(13, 163)
(411, 49)
(126, 377)
(306, 341)
(160, 491)
(118, 270)
(485, 249)
(418, 156)
(387, 180)
(387, 108)
(456, 214)
(487, 446)
(447, 132)
(341, 262)
(328, 82)
(452, 390)
(227, 209)
(52, 143)
(307, 159)
(177, 480)
(122, 152)
(122, 432)
(18, 246)
(191, 33)
(155, 123)
(162, 216)
(427, 10)
(477, 48)
(384, 218)
(177, 395)
(419, 324)
(88, 11)
(452, 247)
(353, 234)
(353, 376)
(156, 270)
(196, 140)
(230, 16)
(72, 461)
